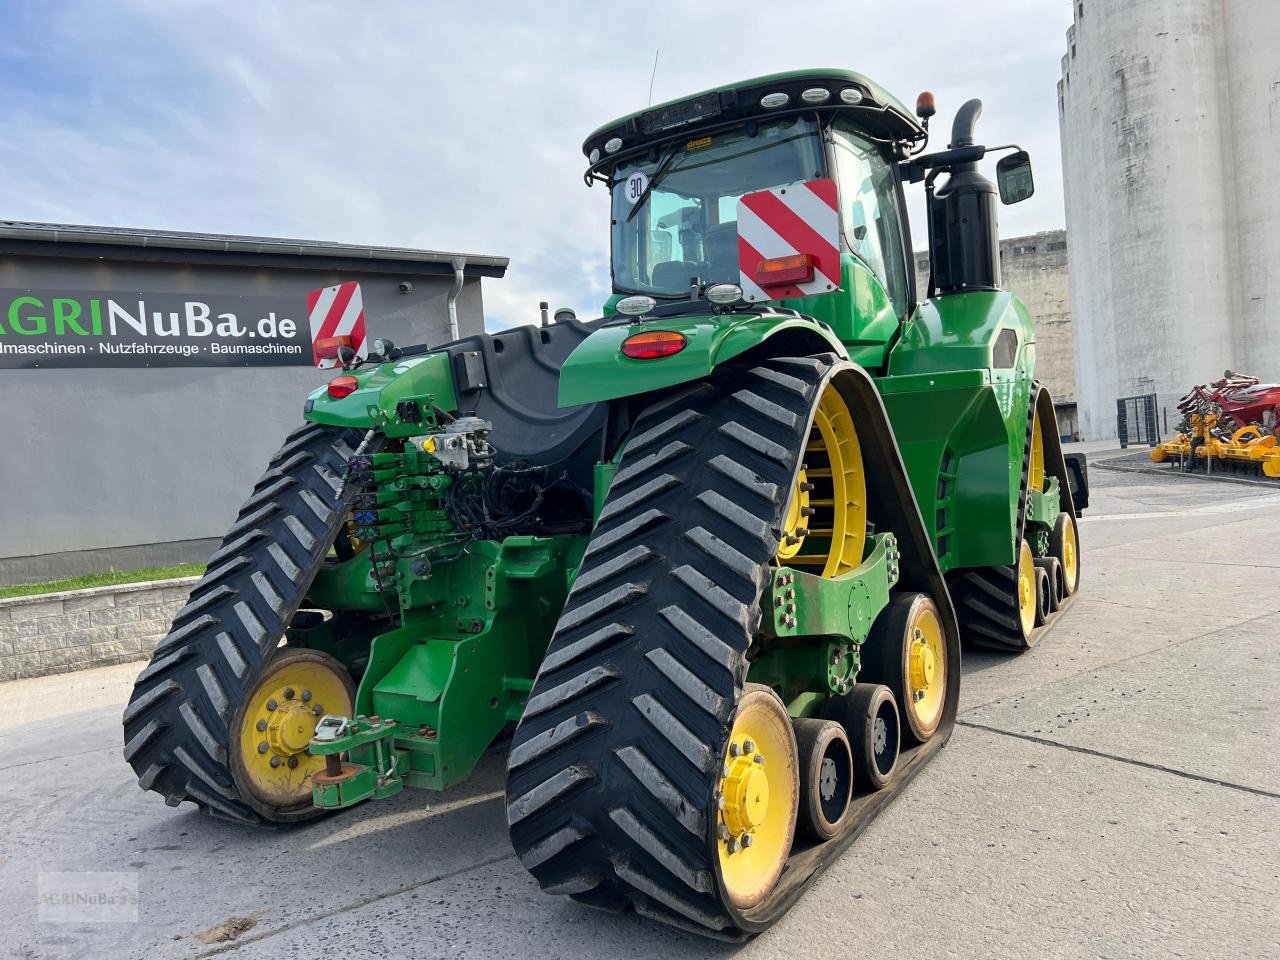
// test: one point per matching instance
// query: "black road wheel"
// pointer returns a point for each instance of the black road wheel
(826, 777)
(869, 716)
(182, 717)
(1044, 595)
(907, 652)
(1053, 570)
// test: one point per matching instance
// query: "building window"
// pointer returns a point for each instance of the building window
(1023, 248)
(1055, 245)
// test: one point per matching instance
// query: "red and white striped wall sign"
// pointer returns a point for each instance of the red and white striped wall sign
(799, 222)
(337, 311)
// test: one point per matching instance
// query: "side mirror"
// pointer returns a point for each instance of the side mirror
(1013, 176)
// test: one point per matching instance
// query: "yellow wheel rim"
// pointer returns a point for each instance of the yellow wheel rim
(1035, 471)
(297, 688)
(1026, 589)
(825, 527)
(758, 799)
(1070, 558)
(795, 525)
(926, 685)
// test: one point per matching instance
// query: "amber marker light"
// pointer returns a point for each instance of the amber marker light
(782, 271)
(653, 344)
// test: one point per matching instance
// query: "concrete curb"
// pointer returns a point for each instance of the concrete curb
(1157, 471)
(95, 627)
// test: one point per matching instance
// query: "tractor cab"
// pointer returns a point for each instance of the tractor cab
(678, 175)
(750, 184)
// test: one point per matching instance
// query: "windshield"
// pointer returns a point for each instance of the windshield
(675, 215)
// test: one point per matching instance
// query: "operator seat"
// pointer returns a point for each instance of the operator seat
(674, 274)
(721, 245)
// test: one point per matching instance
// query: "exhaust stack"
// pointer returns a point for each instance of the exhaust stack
(964, 240)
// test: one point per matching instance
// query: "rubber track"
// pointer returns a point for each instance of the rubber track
(986, 598)
(176, 726)
(613, 765)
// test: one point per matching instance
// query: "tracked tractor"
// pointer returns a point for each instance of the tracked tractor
(708, 560)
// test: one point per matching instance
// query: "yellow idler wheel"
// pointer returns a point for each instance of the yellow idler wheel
(1064, 543)
(825, 527)
(1026, 589)
(907, 652)
(269, 757)
(758, 798)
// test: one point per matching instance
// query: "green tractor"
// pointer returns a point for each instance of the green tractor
(712, 556)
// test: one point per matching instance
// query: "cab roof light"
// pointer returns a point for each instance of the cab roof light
(635, 306)
(724, 294)
(784, 271)
(653, 344)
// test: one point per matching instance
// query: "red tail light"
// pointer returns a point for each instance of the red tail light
(343, 386)
(653, 344)
(784, 271)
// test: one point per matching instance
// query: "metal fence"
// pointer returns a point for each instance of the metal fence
(1137, 420)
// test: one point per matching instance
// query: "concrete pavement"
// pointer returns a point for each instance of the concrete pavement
(1113, 793)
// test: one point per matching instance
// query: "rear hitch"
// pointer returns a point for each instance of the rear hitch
(344, 784)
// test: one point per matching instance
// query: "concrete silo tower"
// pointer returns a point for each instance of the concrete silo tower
(1170, 116)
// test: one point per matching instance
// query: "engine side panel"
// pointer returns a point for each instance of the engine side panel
(958, 393)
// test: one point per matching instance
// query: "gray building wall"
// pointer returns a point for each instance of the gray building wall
(1171, 152)
(1035, 268)
(142, 466)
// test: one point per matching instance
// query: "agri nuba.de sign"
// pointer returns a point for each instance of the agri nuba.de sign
(46, 328)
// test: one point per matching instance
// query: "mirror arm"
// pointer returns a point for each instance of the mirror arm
(914, 170)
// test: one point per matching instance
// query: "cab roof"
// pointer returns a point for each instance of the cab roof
(878, 110)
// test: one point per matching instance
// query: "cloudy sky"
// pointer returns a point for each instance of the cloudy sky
(454, 127)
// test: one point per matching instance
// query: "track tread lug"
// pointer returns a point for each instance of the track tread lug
(652, 844)
(682, 807)
(570, 689)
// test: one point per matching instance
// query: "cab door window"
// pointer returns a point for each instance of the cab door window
(872, 219)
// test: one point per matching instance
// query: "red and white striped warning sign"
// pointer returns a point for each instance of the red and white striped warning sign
(789, 241)
(337, 311)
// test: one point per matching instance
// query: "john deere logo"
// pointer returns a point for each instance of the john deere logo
(41, 329)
